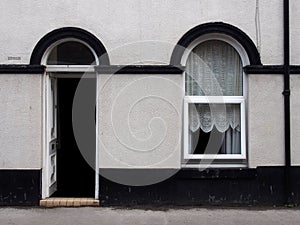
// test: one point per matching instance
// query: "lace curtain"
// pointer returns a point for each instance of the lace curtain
(214, 68)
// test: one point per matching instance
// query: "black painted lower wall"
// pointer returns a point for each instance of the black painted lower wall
(20, 187)
(264, 186)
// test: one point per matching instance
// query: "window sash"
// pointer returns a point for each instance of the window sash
(70, 68)
(214, 99)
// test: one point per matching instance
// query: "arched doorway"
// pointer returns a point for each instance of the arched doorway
(67, 53)
(69, 175)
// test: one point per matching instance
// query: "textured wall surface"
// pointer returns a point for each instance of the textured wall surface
(265, 120)
(124, 23)
(295, 31)
(295, 119)
(142, 32)
(140, 121)
(20, 121)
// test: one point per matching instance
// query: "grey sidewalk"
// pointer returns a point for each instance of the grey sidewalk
(98, 215)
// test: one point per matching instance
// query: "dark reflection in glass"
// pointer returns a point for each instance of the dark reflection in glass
(71, 53)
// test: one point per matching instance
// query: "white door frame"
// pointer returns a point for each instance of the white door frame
(46, 125)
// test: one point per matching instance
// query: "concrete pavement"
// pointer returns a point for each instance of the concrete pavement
(174, 216)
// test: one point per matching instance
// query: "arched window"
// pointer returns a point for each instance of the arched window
(215, 97)
(71, 53)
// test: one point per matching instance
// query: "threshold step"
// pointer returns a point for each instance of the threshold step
(68, 202)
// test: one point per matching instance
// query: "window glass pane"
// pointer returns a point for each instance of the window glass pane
(215, 142)
(214, 68)
(71, 53)
(214, 128)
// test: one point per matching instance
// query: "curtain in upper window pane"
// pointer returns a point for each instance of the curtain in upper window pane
(214, 68)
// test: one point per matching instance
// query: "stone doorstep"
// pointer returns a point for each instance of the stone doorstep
(68, 202)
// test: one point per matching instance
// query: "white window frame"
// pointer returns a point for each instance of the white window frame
(212, 100)
(70, 69)
(216, 99)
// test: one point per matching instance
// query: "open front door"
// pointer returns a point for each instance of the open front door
(52, 134)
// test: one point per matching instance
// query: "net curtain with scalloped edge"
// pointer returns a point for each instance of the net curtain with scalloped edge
(214, 68)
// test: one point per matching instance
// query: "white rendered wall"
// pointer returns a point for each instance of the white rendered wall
(140, 121)
(295, 119)
(143, 32)
(117, 23)
(265, 120)
(20, 121)
(295, 31)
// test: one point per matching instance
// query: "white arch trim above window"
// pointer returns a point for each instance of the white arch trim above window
(68, 68)
(220, 37)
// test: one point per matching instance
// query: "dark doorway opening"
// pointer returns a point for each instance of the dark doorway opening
(75, 177)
